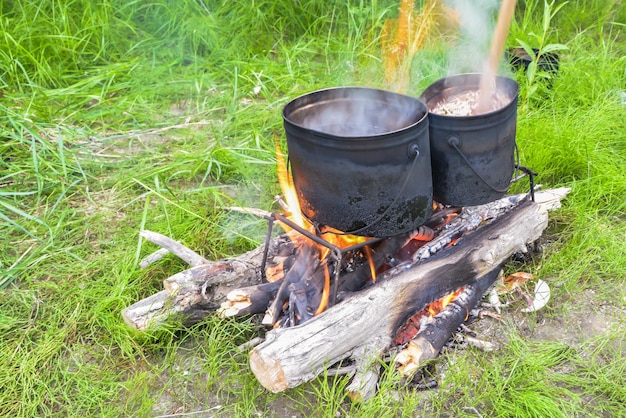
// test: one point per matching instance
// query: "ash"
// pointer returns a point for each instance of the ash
(466, 104)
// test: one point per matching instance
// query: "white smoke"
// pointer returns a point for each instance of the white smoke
(358, 112)
(477, 22)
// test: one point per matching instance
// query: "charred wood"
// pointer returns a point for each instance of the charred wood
(292, 356)
(184, 291)
(249, 300)
(439, 329)
(297, 273)
(381, 254)
(308, 281)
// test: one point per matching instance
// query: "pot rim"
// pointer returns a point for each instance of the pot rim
(363, 89)
(499, 78)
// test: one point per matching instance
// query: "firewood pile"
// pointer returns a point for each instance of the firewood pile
(319, 311)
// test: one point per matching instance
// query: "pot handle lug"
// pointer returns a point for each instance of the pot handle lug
(413, 150)
(454, 141)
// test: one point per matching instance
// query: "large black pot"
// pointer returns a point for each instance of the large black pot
(472, 156)
(360, 159)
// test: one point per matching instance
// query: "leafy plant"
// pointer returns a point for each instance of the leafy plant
(535, 76)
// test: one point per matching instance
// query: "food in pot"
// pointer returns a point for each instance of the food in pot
(466, 104)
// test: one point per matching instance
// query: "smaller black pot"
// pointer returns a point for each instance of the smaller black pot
(520, 60)
(472, 156)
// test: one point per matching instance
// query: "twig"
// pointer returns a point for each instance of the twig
(248, 211)
(480, 344)
(251, 344)
(153, 258)
(186, 414)
(471, 408)
(187, 255)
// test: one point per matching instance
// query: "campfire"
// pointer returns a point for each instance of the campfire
(387, 248)
(362, 273)
(328, 265)
(350, 299)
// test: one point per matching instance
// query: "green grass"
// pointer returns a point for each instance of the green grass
(538, 379)
(117, 116)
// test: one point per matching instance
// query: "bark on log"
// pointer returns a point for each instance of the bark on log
(195, 292)
(368, 320)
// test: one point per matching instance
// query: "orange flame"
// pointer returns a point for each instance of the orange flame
(289, 191)
(370, 261)
(332, 236)
(439, 305)
(325, 292)
(411, 328)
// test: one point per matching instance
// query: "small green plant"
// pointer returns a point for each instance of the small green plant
(536, 77)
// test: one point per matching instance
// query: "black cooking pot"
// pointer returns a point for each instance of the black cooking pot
(360, 159)
(472, 156)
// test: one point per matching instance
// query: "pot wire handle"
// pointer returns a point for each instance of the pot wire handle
(454, 142)
(413, 152)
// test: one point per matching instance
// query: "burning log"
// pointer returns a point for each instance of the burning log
(293, 289)
(250, 300)
(362, 327)
(437, 331)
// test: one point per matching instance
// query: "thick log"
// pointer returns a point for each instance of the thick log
(193, 293)
(292, 356)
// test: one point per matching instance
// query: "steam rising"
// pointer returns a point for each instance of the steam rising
(477, 24)
(355, 112)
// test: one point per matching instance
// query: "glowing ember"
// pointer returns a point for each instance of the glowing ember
(439, 305)
(412, 326)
